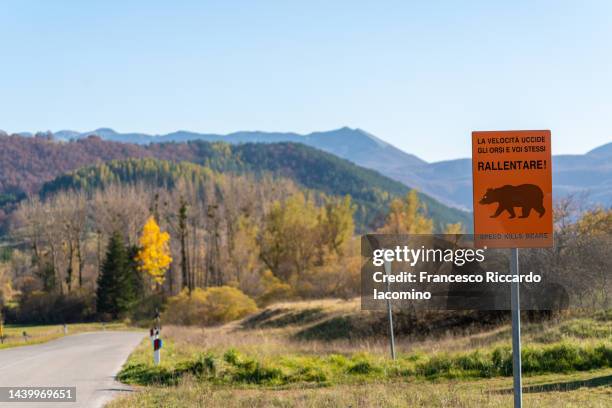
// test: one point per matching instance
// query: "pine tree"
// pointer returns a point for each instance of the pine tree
(135, 275)
(116, 291)
(182, 216)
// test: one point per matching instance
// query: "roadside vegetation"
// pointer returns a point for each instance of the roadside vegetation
(577, 390)
(266, 355)
(13, 335)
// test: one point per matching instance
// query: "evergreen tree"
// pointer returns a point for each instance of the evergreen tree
(182, 217)
(116, 284)
(138, 283)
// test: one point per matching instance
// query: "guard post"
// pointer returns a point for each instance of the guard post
(157, 345)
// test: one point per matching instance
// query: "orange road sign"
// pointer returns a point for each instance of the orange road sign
(512, 182)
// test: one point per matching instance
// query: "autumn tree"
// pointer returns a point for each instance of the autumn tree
(452, 229)
(407, 216)
(337, 224)
(245, 252)
(596, 221)
(154, 255)
(305, 244)
(289, 241)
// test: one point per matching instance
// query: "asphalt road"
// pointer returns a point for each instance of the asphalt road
(87, 361)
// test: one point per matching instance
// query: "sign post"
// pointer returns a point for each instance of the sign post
(516, 332)
(376, 245)
(512, 171)
(157, 345)
(390, 311)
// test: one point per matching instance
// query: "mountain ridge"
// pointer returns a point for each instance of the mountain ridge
(27, 163)
(448, 181)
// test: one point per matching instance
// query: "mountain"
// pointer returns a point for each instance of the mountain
(26, 163)
(602, 151)
(588, 174)
(447, 181)
(353, 144)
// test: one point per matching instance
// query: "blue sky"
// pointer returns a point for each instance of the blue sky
(421, 75)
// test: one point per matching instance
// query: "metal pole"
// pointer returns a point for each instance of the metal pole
(516, 331)
(390, 311)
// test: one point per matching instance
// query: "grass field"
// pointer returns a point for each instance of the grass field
(13, 334)
(294, 355)
(577, 390)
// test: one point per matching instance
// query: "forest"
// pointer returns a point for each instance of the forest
(127, 238)
(90, 245)
(27, 163)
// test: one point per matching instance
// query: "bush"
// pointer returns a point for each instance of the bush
(201, 366)
(557, 358)
(248, 370)
(144, 310)
(208, 306)
(140, 373)
(52, 308)
(363, 367)
(275, 290)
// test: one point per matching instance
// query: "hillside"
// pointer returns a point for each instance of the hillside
(448, 181)
(27, 163)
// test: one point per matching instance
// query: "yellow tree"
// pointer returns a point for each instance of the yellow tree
(598, 221)
(154, 254)
(290, 236)
(337, 222)
(407, 217)
(453, 229)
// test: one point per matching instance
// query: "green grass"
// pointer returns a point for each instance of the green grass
(235, 368)
(266, 351)
(266, 360)
(578, 390)
(13, 334)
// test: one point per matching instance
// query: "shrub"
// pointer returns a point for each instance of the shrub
(362, 367)
(565, 357)
(139, 373)
(144, 310)
(435, 366)
(502, 360)
(208, 306)
(251, 371)
(275, 290)
(557, 358)
(202, 365)
(50, 308)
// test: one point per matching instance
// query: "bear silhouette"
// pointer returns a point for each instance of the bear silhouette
(527, 196)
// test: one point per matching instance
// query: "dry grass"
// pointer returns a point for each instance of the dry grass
(492, 393)
(272, 337)
(275, 333)
(41, 334)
